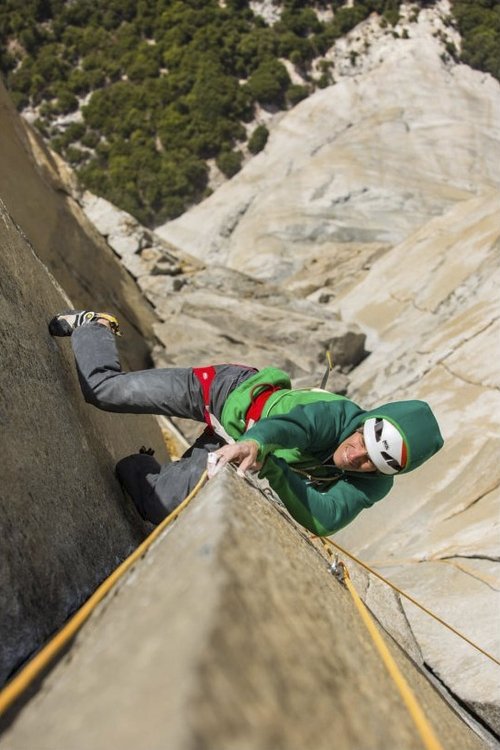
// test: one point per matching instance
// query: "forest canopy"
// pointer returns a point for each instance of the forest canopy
(478, 22)
(152, 89)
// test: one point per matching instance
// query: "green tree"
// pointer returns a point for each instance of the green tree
(479, 26)
(269, 82)
(258, 139)
(301, 22)
(90, 139)
(75, 155)
(296, 94)
(481, 50)
(346, 18)
(66, 102)
(229, 162)
(172, 82)
(144, 63)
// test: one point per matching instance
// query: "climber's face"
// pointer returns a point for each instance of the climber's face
(351, 455)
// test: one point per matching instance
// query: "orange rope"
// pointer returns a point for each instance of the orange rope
(414, 709)
(12, 691)
(326, 541)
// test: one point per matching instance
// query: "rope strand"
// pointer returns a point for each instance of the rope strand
(14, 689)
(481, 650)
(425, 730)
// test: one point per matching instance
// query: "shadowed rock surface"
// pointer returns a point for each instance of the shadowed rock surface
(64, 523)
(230, 634)
(35, 186)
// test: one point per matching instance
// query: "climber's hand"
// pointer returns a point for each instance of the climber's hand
(243, 454)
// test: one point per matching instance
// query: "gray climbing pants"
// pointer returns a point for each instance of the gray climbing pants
(173, 392)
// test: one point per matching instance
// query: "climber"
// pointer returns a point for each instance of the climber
(326, 458)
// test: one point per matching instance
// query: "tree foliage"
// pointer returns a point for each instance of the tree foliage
(269, 82)
(160, 86)
(479, 25)
(229, 162)
(258, 139)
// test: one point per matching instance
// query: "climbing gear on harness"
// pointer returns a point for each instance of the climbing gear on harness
(385, 445)
(65, 323)
(316, 480)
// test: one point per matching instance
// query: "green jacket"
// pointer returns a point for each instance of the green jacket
(297, 434)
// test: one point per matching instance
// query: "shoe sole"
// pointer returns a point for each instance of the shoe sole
(58, 327)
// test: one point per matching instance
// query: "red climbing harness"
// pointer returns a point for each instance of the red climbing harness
(206, 377)
(254, 411)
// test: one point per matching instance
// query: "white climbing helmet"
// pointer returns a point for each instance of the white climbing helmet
(385, 445)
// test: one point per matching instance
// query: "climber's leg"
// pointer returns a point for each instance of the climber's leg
(157, 490)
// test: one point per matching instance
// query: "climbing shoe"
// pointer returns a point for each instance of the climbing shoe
(65, 323)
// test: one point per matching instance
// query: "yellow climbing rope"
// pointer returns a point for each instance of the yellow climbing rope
(328, 542)
(424, 728)
(14, 689)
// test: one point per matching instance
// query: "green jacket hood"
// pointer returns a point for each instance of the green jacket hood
(418, 426)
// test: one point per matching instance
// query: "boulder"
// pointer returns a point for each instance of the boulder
(210, 313)
(222, 315)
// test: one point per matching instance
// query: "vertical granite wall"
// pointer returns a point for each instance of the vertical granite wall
(231, 634)
(64, 524)
(34, 185)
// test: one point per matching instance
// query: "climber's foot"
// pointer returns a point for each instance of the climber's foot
(65, 323)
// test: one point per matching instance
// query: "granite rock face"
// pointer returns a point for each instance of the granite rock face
(431, 312)
(64, 522)
(365, 161)
(210, 313)
(370, 223)
(230, 633)
(380, 197)
(39, 192)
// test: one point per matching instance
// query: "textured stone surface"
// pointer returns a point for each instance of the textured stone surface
(380, 197)
(367, 160)
(229, 635)
(216, 314)
(377, 199)
(36, 186)
(64, 523)
(430, 309)
(210, 313)
(204, 325)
